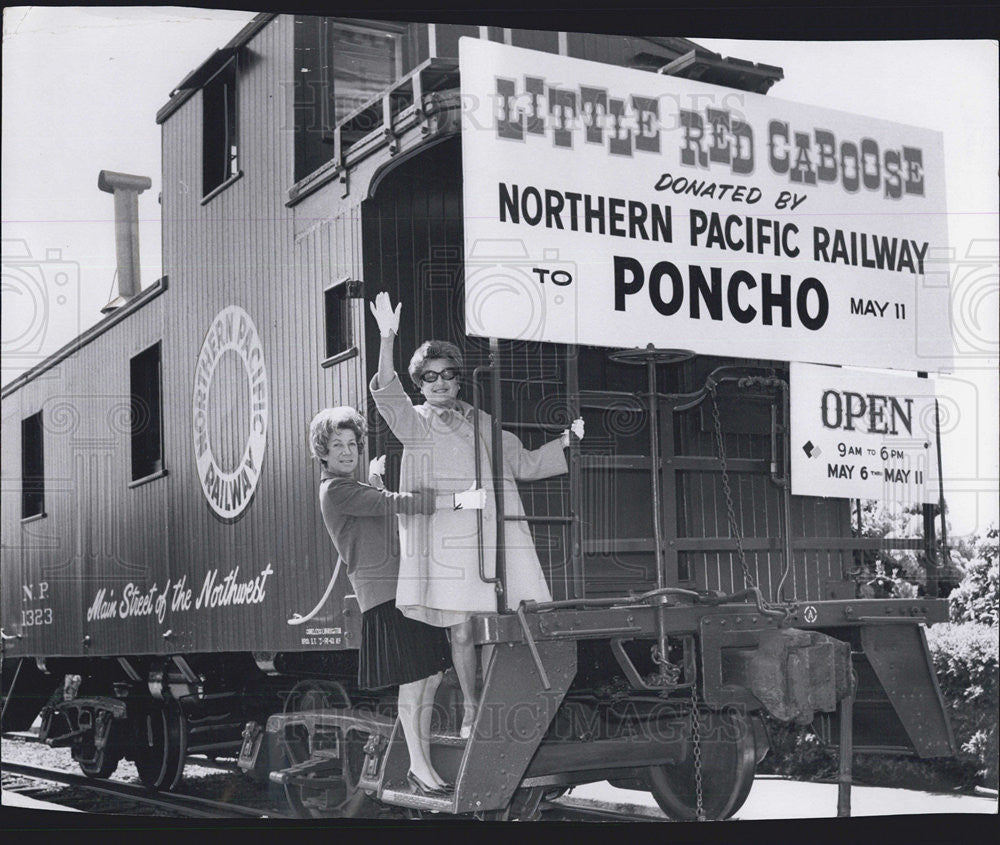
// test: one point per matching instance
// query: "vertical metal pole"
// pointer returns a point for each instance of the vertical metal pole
(930, 551)
(937, 435)
(941, 504)
(786, 488)
(654, 460)
(575, 481)
(858, 555)
(930, 540)
(476, 407)
(498, 473)
(844, 774)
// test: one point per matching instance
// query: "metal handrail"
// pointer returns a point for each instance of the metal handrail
(498, 476)
(496, 581)
(444, 66)
(499, 580)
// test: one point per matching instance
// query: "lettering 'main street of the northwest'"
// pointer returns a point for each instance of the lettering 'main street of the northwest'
(712, 139)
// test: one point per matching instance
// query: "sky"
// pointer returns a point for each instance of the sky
(81, 87)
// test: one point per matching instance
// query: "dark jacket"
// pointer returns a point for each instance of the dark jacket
(362, 523)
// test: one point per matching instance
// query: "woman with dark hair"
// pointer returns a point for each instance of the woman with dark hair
(361, 522)
(439, 580)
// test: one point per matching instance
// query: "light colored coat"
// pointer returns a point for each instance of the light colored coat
(439, 579)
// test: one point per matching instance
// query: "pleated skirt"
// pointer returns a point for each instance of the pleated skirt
(398, 650)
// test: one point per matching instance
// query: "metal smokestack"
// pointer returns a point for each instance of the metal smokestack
(126, 189)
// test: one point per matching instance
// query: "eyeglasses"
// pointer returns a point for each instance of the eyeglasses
(431, 376)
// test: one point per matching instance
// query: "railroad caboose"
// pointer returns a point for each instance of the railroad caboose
(162, 534)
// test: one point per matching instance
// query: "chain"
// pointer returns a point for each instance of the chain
(731, 514)
(667, 673)
(696, 752)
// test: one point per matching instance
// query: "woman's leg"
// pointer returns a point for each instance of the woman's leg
(426, 710)
(487, 658)
(463, 655)
(417, 742)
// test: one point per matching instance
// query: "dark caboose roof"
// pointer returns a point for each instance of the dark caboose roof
(201, 74)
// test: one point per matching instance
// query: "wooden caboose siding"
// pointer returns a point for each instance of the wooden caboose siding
(702, 511)
(243, 247)
(97, 530)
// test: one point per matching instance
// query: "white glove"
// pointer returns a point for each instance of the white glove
(388, 320)
(576, 428)
(471, 499)
(376, 469)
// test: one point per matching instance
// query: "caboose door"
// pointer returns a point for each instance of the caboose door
(412, 238)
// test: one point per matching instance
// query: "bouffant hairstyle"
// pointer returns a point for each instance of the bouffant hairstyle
(428, 351)
(329, 421)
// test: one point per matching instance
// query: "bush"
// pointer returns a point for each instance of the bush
(966, 660)
(796, 752)
(977, 598)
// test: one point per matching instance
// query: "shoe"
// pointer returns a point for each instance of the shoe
(421, 788)
(465, 729)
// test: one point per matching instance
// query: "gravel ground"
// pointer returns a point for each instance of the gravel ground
(219, 781)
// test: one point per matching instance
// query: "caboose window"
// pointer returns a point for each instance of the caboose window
(360, 63)
(338, 327)
(32, 467)
(339, 66)
(219, 129)
(146, 413)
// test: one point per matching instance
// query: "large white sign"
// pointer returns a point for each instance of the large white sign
(619, 207)
(862, 435)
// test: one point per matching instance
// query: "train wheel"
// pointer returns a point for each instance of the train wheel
(103, 767)
(162, 746)
(339, 797)
(728, 762)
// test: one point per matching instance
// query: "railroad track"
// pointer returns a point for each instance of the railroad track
(178, 805)
(124, 794)
(557, 811)
(185, 805)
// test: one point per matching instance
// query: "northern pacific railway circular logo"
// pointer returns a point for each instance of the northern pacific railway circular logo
(230, 412)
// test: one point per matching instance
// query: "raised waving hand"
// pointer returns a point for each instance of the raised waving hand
(388, 325)
(385, 316)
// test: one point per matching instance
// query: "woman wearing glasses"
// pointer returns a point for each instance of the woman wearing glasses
(439, 579)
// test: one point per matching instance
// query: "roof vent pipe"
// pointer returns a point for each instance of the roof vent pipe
(126, 189)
